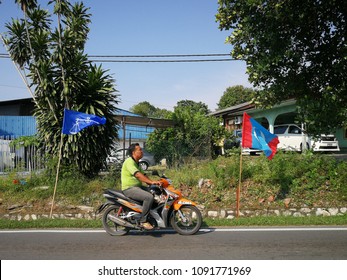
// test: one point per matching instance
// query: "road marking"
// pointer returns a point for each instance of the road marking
(53, 231)
(172, 231)
(277, 229)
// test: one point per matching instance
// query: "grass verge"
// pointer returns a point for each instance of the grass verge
(279, 221)
(253, 221)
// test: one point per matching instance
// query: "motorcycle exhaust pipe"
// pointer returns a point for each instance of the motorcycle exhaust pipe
(121, 222)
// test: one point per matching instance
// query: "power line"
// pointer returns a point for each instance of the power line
(107, 58)
(165, 61)
(164, 55)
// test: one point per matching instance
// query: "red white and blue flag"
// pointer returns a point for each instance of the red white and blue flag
(255, 136)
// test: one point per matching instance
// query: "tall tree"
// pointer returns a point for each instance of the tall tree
(235, 95)
(194, 135)
(146, 109)
(193, 106)
(63, 77)
(293, 49)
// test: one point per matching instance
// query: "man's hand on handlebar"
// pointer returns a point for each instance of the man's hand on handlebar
(157, 183)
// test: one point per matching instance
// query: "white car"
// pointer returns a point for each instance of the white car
(292, 137)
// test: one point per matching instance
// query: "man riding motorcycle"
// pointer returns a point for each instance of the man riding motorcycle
(132, 177)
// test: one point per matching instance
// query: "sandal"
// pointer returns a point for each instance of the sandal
(147, 226)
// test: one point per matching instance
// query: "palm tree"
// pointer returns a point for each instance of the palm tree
(63, 77)
(27, 7)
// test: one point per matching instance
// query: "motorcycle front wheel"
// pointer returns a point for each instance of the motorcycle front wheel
(111, 227)
(187, 220)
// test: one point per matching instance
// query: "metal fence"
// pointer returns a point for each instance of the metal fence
(18, 158)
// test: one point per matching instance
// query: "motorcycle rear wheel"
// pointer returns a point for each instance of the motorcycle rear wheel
(190, 223)
(111, 227)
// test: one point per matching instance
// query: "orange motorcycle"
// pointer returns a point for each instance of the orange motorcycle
(121, 214)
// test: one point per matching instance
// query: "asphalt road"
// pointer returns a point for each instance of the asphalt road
(301, 243)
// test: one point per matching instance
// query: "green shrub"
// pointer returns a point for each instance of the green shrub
(307, 179)
(339, 179)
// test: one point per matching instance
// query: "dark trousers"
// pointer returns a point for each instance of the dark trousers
(141, 194)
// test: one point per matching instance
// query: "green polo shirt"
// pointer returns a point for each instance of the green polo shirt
(129, 168)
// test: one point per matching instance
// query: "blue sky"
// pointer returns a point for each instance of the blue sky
(152, 27)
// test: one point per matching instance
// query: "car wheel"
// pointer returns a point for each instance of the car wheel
(307, 147)
(143, 165)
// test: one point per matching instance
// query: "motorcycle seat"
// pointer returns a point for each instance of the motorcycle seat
(117, 193)
(120, 194)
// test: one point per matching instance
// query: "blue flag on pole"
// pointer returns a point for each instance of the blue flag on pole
(75, 121)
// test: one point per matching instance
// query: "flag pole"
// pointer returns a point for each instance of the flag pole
(238, 191)
(57, 175)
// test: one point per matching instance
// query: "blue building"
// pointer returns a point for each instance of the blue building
(16, 120)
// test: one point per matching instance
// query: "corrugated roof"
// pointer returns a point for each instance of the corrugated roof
(233, 109)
